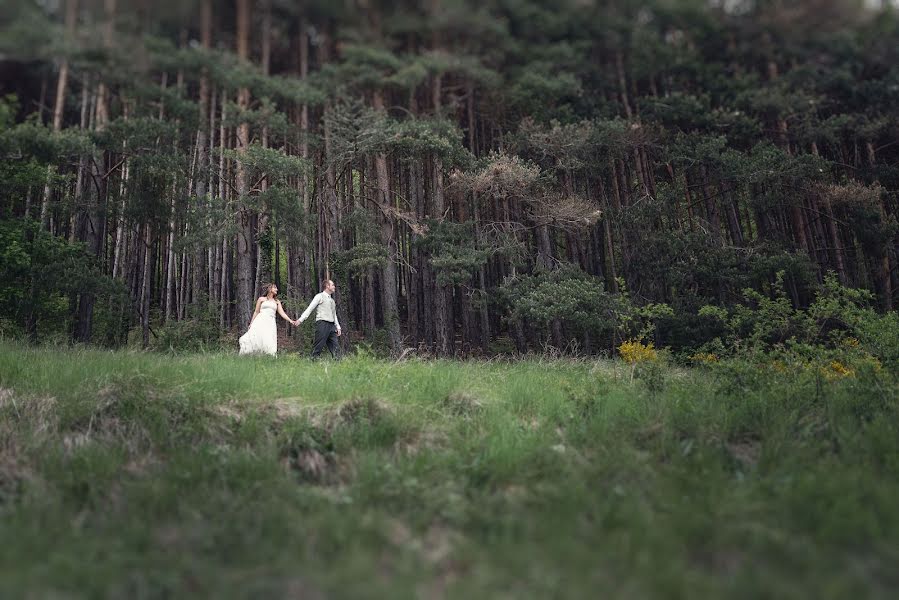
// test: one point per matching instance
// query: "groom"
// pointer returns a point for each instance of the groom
(327, 327)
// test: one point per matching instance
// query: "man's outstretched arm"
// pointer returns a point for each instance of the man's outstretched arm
(315, 302)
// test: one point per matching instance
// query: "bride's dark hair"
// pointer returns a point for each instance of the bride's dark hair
(266, 288)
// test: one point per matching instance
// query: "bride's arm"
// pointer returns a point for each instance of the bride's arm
(256, 312)
(281, 312)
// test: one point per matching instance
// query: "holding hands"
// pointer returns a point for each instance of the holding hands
(296, 323)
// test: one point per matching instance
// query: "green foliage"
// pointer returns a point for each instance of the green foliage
(200, 333)
(360, 258)
(31, 140)
(41, 274)
(578, 300)
(372, 478)
(840, 324)
(454, 252)
(874, 229)
(543, 93)
(143, 135)
(719, 144)
(274, 165)
(693, 268)
(27, 32)
(562, 147)
(358, 131)
(414, 138)
(226, 71)
(263, 116)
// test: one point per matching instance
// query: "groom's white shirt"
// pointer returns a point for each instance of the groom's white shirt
(326, 309)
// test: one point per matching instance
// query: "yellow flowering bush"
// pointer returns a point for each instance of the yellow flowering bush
(836, 370)
(634, 351)
(704, 358)
(850, 342)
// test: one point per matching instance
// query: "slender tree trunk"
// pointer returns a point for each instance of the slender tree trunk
(204, 134)
(388, 238)
(146, 275)
(305, 250)
(170, 274)
(711, 207)
(263, 258)
(622, 84)
(483, 309)
(245, 234)
(59, 104)
(95, 215)
(118, 254)
(442, 320)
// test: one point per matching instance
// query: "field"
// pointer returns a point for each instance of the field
(147, 475)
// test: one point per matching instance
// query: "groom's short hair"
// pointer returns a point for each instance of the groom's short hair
(325, 283)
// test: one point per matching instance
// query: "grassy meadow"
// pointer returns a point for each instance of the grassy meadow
(139, 475)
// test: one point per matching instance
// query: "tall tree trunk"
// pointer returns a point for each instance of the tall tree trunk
(170, 273)
(622, 84)
(204, 131)
(146, 274)
(246, 234)
(483, 308)
(546, 260)
(263, 258)
(59, 104)
(95, 215)
(299, 249)
(711, 207)
(442, 319)
(120, 233)
(388, 238)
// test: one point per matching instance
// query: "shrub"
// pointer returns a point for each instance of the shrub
(839, 327)
(633, 351)
(201, 333)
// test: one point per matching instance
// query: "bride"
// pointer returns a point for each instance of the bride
(262, 336)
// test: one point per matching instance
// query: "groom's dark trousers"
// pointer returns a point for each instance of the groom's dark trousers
(325, 335)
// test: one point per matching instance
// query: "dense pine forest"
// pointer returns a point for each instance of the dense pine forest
(617, 284)
(476, 177)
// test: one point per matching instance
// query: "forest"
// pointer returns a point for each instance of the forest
(478, 178)
(617, 283)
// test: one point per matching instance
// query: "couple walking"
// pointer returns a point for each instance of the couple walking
(262, 336)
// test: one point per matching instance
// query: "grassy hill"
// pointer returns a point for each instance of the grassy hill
(145, 475)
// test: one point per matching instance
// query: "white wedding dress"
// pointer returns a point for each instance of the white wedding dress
(262, 337)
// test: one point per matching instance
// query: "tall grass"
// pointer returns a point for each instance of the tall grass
(144, 475)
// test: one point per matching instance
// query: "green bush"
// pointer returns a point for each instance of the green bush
(840, 333)
(41, 278)
(199, 334)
